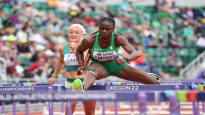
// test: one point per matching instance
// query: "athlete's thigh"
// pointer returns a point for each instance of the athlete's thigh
(135, 74)
(73, 106)
(89, 107)
(99, 70)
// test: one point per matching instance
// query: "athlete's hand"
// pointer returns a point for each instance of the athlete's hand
(81, 69)
(120, 60)
(52, 80)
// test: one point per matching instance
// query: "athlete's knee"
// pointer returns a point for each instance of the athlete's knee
(96, 71)
(91, 74)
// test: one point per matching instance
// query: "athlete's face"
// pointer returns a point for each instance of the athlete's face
(75, 34)
(106, 28)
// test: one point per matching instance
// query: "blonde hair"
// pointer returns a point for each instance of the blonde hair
(78, 26)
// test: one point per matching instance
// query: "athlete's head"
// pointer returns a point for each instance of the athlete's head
(76, 33)
(106, 26)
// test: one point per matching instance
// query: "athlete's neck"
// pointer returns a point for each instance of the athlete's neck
(107, 37)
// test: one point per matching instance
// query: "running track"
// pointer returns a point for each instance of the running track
(125, 109)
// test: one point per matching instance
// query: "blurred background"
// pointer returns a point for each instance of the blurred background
(170, 33)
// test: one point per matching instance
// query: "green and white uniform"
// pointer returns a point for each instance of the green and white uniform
(107, 56)
(70, 65)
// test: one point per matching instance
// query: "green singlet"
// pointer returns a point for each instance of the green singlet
(107, 56)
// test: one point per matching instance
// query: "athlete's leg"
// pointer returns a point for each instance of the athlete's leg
(73, 105)
(134, 74)
(94, 71)
(89, 107)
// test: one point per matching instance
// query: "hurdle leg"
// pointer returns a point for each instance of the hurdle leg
(116, 107)
(203, 107)
(142, 103)
(62, 106)
(2, 108)
(68, 110)
(131, 107)
(157, 97)
(174, 106)
(27, 108)
(50, 108)
(195, 108)
(14, 108)
(103, 107)
(13, 105)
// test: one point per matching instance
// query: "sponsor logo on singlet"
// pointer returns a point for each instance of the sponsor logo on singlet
(70, 59)
(104, 56)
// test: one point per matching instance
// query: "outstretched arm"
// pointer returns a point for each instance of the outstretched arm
(58, 68)
(85, 45)
(132, 52)
(60, 63)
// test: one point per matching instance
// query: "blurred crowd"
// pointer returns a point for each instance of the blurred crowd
(167, 36)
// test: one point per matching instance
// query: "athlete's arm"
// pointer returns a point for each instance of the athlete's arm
(85, 45)
(133, 53)
(60, 63)
(58, 67)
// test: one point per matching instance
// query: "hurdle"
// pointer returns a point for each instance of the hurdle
(143, 94)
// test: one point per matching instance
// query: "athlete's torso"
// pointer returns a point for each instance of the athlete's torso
(108, 53)
(71, 65)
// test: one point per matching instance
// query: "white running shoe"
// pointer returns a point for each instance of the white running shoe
(155, 76)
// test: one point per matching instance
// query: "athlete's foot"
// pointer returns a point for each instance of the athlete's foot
(155, 76)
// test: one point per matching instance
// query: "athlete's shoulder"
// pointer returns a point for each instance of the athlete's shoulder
(120, 39)
(93, 35)
(118, 35)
